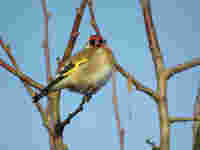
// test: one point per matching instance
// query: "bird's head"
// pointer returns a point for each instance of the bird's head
(96, 41)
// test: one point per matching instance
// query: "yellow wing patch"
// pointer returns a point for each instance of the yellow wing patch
(77, 64)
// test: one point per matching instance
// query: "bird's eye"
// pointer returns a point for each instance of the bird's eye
(92, 42)
(101, 41)
(67, 67)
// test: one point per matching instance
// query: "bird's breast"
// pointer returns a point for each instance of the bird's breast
(92, 75)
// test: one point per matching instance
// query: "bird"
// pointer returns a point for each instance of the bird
(86, 72)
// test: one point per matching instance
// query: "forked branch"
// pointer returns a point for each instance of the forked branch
(27, 81)
(139, 86)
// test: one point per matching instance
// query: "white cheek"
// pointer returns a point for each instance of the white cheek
(57, 75)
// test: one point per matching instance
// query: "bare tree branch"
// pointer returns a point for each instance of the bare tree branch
(59, 128)
(74, 34)
(152, 37)
(182, 67)
(25, 80)
(45, 43)
(93, 20)
(182, 119)
(121, 131)
(139, 86)
(196, 125)
(21, 75)
(159, 68)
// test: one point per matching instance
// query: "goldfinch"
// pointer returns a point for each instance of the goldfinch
(86, 72)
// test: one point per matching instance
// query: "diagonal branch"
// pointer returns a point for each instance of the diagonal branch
(139, 86)
(59, 128)
(74, 34)
(93, 20)
(182, 67)
(21, 76)
(17, 72)
(152, 37)
(45, 43)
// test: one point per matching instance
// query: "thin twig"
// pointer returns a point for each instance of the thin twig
(152, 37)
(196, 125)
(26, 85)
(21, 75)
(139, 86)
(16, 71)
(78, 110)
(182, 119)
(49, 77)
(45, 43)
(59, 128)
(75, 31)
(182, 67)
(93, 20)
(116, 111)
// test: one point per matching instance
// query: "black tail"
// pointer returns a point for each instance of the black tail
(37, 97)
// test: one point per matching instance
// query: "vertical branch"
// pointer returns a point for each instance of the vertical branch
(152, 37)
(160, 76)
(196, 124)
(29, 90)
(116, 111)
(45, 43)
(93, 20)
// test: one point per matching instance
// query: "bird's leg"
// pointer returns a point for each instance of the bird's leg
(60, 125)
(88, 97)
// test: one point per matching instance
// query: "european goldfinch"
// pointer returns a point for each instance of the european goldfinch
(86, 72)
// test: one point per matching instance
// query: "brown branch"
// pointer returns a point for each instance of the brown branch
(49, 77)
(8, 52)
(59, 128)
(152, 37)
(159, 68)
(183, 119)
(196, 125)
(45, 43)
(26, 80)
(116, 111)
(21, 76)
(74, 34)
(139, 86)
(17, 72)
(182, 67)
(93, 20)
(78, 110)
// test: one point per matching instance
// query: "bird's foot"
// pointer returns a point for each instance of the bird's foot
(88, 97)
(59, 127)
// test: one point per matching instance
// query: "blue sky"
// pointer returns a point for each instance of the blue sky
(122, 25)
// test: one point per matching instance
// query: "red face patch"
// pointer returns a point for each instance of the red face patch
(95, 37)
(96, 40)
